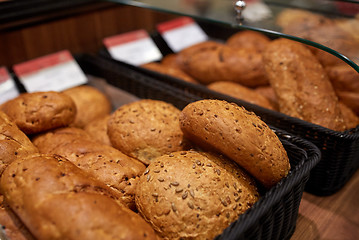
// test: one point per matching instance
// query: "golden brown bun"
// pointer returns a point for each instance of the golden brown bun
(238, 134)
(169, 70)
(238, 91)
(350, 118)
(350, 99)
(13, 142)
(90, 102)
(40, 111)
(57, 200)
(146, 129)
(301, 84)
(170, 60)
(103, 162)
(193, 195)
(248, 39)
(343, 78)
(209, 62)
(98, 130)
(268, 92)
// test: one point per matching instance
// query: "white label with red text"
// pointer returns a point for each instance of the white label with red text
(134, 48)
(54, 72)
(8, 88)
(181, 33)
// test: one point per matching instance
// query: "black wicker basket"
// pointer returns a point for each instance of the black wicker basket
(274, 215)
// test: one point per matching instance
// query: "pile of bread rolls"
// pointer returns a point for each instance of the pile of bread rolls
(281, 74)
(72, 169)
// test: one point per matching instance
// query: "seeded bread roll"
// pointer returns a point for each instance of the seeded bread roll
(98, 130)
(40, 111)
(103, 162)
(241, 92)
(248, 39)
(90, 103)
(193, 195)
(209, 62)
(146, 129)
(301, 84)
(13, 142)
(238, 134)
(57, 200)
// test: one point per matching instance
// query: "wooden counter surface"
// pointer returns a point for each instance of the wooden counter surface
(334, 217)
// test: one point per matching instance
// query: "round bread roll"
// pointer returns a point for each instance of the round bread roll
(343, 77)
(193, 195)
(98, 130)
(268, 92)
(238, 134)
(350, 99)
(13, 142)
(209, 62)
(241, 92)
(40, 111)
(146, 129)
(248, 39)
(90, 102)
(170, 60)
(351, 120)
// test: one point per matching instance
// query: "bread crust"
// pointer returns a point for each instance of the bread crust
(98, 130)
(238, 134)
(193, 195)
(40, 111)
(248, 39)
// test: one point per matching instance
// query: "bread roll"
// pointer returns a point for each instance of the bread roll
(90, 102)
(238, 134)
(170, 60)
(57, 200)
(301, 84)
(351, 120)
(98, 130)
(40, 111)
(193, 195)
(146, 129)
(13, 142)
(350, 99)
(248, 39)
(103, 162)
(268, 92)
(241, 92)
(209, 62)
(343, 78)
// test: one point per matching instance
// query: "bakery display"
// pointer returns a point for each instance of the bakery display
(146, 129)
(90, 102)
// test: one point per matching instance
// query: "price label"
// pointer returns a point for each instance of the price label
(134, 48)
(54, 72)
(181, 33)
(8, 88)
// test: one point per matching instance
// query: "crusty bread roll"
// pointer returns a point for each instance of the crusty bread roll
(13, 142)
(209, 62)
(301, 84)
(90, 102)
(248, 39)
(57, 200)
(351, 120)
(241, 92)
(146, 129)
(98, 130)
(350, 99)
(103, 162)
(40, 111)
(193, 195)
(343, 78)
(170, 60)
(238, 134)
(268, 92)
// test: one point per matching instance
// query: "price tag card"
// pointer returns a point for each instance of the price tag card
(54, 72)
(8, 88)
(134, 48)
(181, 33)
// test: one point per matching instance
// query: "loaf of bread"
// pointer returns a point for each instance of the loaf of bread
(13, 142)
(239, 135)
(90, 102)
(248, 39)
(301, 84)
(210, 61)
(40, 111)
(98, 130)
(57, 200)
(103, 162)
(241, 92)
(193, 195)
(169, 70)
(146, 129)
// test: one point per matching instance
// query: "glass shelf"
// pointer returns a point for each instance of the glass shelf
(271, 17)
